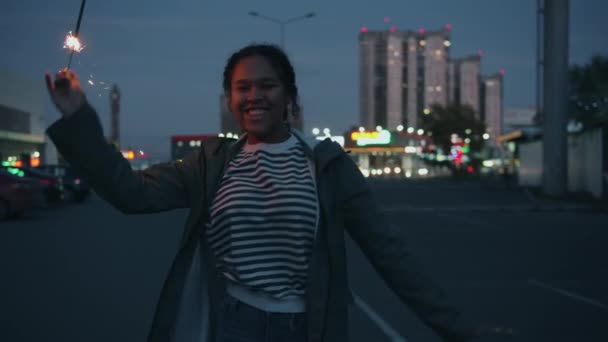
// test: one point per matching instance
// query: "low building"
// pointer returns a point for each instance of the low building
(22, 124)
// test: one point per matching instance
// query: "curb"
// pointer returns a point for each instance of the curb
(503, 209)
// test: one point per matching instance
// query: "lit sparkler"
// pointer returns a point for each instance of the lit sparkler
(72, 42)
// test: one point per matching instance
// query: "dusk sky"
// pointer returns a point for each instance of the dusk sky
(167, 57)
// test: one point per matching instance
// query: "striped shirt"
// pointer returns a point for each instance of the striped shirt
(263, 219)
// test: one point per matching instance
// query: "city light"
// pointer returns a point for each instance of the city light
(480, 53)
(374, 172)
(387, 19)
(364, 29)
(423, 172)
(426, 111)
(410, 149)
(488, 163)
(408, 174)
(336, 138)
(393, 29)
(422, 42)
(316, 131)
(486, 136)
(378, 128)
(229, 135)
(221, 135)
(400, 128)
(387, 170)
(128, 154)
(421, 31)
(448, 27)
(36, 154)
(420, 131)
(397, 170)
(410, 130)
(326, 131)
(361, 129)
(467, 141)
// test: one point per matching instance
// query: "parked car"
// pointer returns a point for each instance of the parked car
(76, 188)
(18, 195)
(52, 185)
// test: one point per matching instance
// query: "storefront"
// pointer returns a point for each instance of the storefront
(384, 153)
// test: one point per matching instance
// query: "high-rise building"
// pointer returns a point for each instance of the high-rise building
(402, 73)
(492, 103)
(464, 82)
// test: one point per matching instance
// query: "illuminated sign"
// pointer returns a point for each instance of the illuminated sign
(129, 154)
(382, 137)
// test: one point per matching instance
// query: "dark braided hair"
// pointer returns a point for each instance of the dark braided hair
(279, 61)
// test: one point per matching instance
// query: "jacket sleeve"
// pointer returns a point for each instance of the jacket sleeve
(80, 140)
(385, 248)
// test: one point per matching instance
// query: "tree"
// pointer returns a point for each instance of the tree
(589, 92)
(442, 122)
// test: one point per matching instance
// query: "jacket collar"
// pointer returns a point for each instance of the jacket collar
(322, 152)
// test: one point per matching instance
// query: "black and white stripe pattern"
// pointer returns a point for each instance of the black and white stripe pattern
(263, 219)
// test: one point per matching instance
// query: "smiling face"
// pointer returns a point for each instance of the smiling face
(258, 100)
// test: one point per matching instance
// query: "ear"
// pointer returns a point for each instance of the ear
(288, 110)
(227, 101)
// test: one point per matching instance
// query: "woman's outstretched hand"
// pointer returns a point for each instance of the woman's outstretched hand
(65, 91)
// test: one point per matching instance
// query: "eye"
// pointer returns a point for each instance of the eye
(268, 86)
(242, 87)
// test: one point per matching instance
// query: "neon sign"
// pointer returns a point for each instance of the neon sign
(382, 137)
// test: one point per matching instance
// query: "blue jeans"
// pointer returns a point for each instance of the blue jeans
(241, 322)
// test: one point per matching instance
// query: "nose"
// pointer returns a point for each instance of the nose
(255, 93)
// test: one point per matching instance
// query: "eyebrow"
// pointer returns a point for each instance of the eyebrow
(260, 80)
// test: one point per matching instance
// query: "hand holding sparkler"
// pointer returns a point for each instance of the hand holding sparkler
(66, 92)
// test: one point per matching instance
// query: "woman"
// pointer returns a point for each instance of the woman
(268, 213)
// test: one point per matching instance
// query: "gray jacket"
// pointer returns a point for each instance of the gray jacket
(188, 305)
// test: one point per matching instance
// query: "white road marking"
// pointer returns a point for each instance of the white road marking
(392, 334)
(572, 295)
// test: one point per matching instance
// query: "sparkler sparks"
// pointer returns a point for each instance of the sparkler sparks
(72, 43)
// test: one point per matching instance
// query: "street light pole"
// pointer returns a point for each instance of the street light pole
(555, 97)
(282, 23)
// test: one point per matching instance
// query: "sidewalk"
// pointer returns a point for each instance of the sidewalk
(446, 195)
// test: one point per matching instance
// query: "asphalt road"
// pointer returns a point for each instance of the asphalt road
(89, 273)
